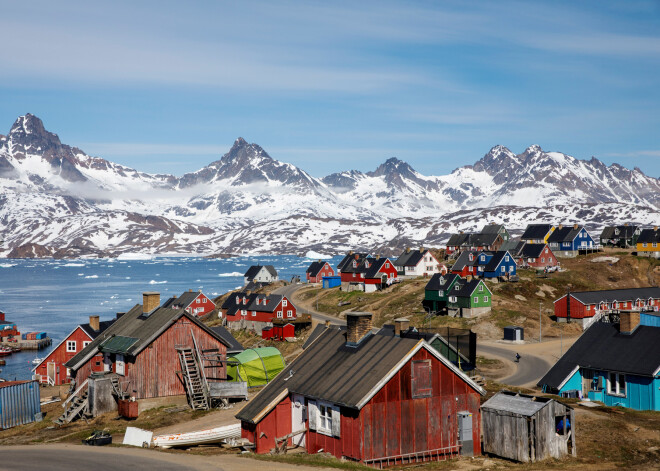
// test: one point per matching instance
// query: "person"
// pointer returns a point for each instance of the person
(517, 357)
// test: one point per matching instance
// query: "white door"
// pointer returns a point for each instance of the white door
(107, 362)
(119, 365)
(298, 419)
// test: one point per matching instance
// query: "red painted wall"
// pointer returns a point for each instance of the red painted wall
(153, 372)
(204, 303)
(60, 356)
(325, 271)
(390, 271)
(578, 310)
(550, 260)
(263, 316)
(276, 424)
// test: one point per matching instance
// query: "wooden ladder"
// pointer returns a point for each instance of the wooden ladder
(193, 378)
(116, 387)
(78, 407)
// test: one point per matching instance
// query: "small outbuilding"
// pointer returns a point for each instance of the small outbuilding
(527, 428)
(19, 403)
(514, 334)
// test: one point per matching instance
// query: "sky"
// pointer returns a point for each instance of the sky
(166, 87)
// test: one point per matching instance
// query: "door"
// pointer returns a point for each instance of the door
(107, 362)
(119, 365)
(298, 419)
(51, 372)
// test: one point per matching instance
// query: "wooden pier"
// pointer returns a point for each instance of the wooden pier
(28, 344)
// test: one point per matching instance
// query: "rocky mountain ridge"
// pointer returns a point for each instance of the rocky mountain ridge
(58, 201)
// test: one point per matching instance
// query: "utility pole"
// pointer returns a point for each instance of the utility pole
(540, 322)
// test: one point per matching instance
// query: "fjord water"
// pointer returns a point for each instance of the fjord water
(56, 295)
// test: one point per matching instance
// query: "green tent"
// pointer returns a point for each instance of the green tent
(257, 366)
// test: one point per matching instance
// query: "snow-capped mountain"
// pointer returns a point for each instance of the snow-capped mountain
(57, 201)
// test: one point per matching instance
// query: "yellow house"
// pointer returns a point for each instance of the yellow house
(648, 243)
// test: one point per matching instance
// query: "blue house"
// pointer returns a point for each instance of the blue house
(496, 264)
(616, 364)
(567, 241)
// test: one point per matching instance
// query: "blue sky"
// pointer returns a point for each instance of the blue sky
(328, 86)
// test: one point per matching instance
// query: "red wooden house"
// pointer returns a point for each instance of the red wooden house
(254, 307)
(279, 332)
(367, 274)
(52, 370)
(317, 270)
(369, 398)
(140, 347)
(580, 306)
(466, 264)
(537, 256)
(194, 302)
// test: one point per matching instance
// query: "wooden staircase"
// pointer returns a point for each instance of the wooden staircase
(116, 388)
(78, 407)
(193, 376)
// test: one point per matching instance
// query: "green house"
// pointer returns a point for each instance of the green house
(469, 298)
(437, 291)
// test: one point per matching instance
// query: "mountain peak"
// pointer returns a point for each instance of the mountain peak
(240, 142)
(392, 165)
(29, 130)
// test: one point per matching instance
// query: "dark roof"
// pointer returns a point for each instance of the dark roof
(495, 260)
(318, 330)
(516, 403)
(273, 301)
(186, 299)
(626, 294)
(463, 260)
(532, 250)
(466, 288)
(456, 240)
(315, 267)
(410, 259)
(255, 285)
(254, 269)
(603, 347)
(649, 236)
(435, 283)
(536, 231)
(514, 247)
(492, 228)
(483, 239)
(375, 266)
(233, 345)
(331, 371)
(348, 257)
(103, 325)
(624, 232)
(135, 325)
(564, 234)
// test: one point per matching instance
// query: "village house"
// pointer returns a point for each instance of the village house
(193, 302)
(349, 260)
(254, 311)
(367, 274)
(437, 290)
(494, 228)
(456, 242)
(496, 265)
(620, 236)
(469, 297)
(465, 264)
(648, 243)
(567, 241)
(317, 270)
(414, 263)
(491, 238)
(51, 369)
(374, 399)
(537, 233)
(527, 428)
(617, 364)
(537, 256)
(585, 307)
(260, 274)
(142, 352)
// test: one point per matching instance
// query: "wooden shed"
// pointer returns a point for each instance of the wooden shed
(527, 428)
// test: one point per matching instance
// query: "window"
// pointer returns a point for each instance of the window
(387, 265)
(441, 293)
(289, 313)
(476, 299)
(511, 269)
(644, 244)
(457, 287)
(485, 299)
(243, 313)
(452, 299)
(279, 314)
(481, 287)
(546, 250)
(284, 302)
(86, 342)
(506, 258)
(542, 259)
(483, 258)
(616, 384)
(421, 379)
(324, 418)
(588, 308)
(503, 269)
(655, 244)
(120, 366)
(70, 345)
(198, 300)
(254, 313)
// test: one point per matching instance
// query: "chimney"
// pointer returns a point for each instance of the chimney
(150, 301)
(628, 321)
(407, 249)
(561, 226)
(358, 325)
(400, 325)
(94, 323)
(350, 253)
(625, 224)
(119, 314)
(421, 250)
(575, 226)
(655, 228)
(468, 278)
(190, 290)
(327, 323)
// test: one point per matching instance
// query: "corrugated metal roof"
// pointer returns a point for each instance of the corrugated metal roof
(118, 344)
(515, 404)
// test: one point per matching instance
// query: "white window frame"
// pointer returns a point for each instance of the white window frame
(71, 346)
(324, 418)
(279, 314)
(284, 302)
(481, 287)
(197, 301)
(387, 265)
(289, 313)
(613, 387)
(485, 299)
(503, 269)
(254, 313)
(476, 299)
(86, 342)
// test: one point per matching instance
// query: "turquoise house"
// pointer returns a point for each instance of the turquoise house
(616, 364)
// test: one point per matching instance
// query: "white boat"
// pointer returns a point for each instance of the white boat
(214, 435)
(36, 361)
